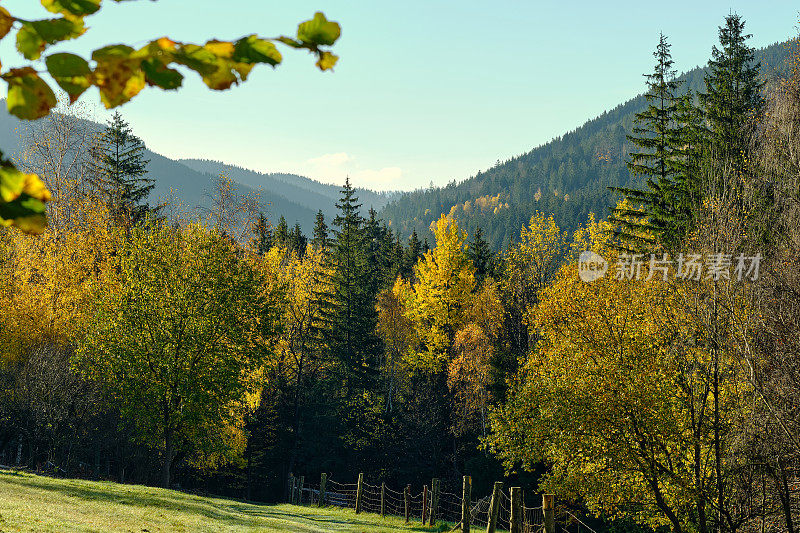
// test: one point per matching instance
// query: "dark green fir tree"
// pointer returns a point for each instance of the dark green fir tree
(262, 239)
(282, 237)
(482, 256)
(651, 215)
(733, 95)
(118, 171)
(347, 304)
(319, 238)
(411, 255)
(298, 241)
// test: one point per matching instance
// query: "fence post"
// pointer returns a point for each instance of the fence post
(516, 510)
(300, 490)
(406, 500)
(290, 487)
(434, 500)
(424, 504)
(359, 492)
(383, 499)
(494, 507)
(323, 481)
(466, 502)
(548, 508)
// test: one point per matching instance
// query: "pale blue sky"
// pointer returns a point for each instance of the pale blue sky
(425, 90)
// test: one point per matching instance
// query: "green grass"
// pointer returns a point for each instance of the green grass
(36, 503)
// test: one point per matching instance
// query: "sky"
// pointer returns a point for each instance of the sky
(425, 91)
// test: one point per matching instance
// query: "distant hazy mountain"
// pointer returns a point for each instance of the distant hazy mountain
(191, 182)
(568, 176)
(300, 190)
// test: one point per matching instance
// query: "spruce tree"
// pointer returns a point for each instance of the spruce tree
(320, 235)
(262, 235)
(118, 170)
(733, 93)
(282, 237)
(398, 258)
(651, 215)
(412, 254)
(481, 256)
(380, 250)
(298, 241)
(690, 140)
(347, 304)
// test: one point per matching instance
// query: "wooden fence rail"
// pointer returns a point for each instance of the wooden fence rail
(503, 511)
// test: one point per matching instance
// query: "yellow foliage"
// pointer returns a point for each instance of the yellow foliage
(50, 277)
(619, 366)
(445, 281)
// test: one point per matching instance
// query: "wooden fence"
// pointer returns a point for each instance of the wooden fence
(501, 511)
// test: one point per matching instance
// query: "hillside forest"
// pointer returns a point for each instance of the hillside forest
(218, 350)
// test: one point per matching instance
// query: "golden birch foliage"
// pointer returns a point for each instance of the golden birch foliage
(612, 398)
(394, 327)
(485, 309)
(49, 278)
(469, 372)
(441, 295)
(535, 258)
(468, 377)
(299, 278)
(398, 335)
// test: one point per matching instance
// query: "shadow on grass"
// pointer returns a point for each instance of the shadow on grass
(130, 495)
(229, 511)
(347, 519)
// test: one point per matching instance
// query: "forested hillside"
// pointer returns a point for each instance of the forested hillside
(297, 199)
(191, 182)
(304, 191)
(569, 176)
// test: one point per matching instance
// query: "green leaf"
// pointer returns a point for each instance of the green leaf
(252, 49)
(158, 74)
(327, 60)
(112, 52)
(29, 97)
(197, 58)
(77, 8)
(27, 213)
(35, 35)
(71, 72)
(214, 63)
(6, 22)
(118, 74)
(318, 31)
(290, 42)
(22, 198)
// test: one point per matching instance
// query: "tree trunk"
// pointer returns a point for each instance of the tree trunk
(249, 490)
(785, 494)
(167, 464)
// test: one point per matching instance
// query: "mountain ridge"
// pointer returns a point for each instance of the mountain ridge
(567, 177)
(191, 182)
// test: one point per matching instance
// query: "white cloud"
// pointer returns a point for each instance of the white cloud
(331, 160)
(336, 167)
(385, 178)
